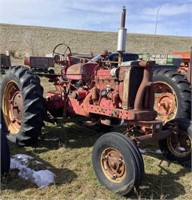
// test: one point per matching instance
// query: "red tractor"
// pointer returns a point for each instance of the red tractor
(106, 94)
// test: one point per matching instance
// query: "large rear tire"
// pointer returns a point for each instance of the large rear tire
(172, 95)
(117, 163)
(178, 146)
(23, 105)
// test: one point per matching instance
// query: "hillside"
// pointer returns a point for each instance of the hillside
(41, 40)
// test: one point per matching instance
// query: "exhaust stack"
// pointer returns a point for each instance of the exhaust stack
(122, 33)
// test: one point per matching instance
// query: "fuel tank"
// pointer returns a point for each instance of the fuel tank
(81, 71)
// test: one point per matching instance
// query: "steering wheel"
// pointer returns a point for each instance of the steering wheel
(61, 58)
(67, 49)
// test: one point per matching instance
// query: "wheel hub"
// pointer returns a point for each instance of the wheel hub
(179, 144)
(17, 107)
(12, 107)
(165, 101)
(113, 165)
(165, 104)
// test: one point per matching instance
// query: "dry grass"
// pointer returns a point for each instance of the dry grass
(66, 150)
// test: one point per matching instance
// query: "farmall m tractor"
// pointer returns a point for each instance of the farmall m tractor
(109, 95)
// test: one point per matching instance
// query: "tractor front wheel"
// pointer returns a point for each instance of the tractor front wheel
(22, 105)
(117, 163)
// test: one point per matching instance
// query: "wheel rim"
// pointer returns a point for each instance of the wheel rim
(113, 165)
(12, 106)
(179, 144)
(165, 101)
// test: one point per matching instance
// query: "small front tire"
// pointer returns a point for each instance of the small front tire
(116, 164)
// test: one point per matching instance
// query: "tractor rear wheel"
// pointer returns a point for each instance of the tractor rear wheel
(118, 165)
(178, 146)
(22, 105)
(172, 95)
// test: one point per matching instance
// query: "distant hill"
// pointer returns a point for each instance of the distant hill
(41, 40)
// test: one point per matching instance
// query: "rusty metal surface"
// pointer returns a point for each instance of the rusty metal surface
(123, 114)
(12, 107)
(165, 101)
(126, 85)
(104, 98)
(113, 164)
(146, 82)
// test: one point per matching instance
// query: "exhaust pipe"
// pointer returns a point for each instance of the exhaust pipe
(122, 33)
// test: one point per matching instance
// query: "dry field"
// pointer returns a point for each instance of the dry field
(40, 41)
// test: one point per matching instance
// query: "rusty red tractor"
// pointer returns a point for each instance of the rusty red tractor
(105, 94)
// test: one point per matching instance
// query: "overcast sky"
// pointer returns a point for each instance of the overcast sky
(162, 17)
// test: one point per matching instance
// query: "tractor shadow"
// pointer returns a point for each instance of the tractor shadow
(69, 134)
(165, 183)
(162, 179)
